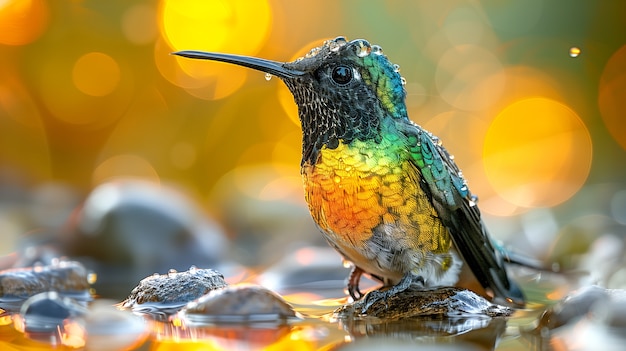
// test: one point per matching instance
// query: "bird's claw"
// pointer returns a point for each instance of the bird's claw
(373, 297)
(353, 283)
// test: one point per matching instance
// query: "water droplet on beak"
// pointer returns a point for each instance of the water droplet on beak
(268, 76)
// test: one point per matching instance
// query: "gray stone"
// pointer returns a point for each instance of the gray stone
(174, 288)
(242, 303)
(61, 276)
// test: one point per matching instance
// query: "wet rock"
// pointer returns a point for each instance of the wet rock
(64, 277)
(108, 328)
(444, 302)
(167, 293)
(241, 303)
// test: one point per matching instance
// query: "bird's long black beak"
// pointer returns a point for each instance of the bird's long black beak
(272, 67)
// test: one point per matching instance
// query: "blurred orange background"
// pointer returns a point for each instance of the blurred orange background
(528, 95)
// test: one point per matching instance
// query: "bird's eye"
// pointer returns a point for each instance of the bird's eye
(342, 75)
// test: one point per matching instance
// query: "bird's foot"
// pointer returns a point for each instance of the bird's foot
(407, 282)
(353, 283)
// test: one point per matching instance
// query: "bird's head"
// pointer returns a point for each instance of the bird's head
(345, 90)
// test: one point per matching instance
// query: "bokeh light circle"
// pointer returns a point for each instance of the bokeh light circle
(238, 27)
(537, 152)
(96, 74)
(22, 21)
(124, 166)
(84, 88)
(612, 96)
(139, 24)
(469, 77)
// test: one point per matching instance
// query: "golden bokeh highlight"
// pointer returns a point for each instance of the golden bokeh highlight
(237, 27)
(537, 153)
(203, 79)
(96, 74)
(124, 166)
(76, 88)
(139, 24)
(22, 21)
(612, 96)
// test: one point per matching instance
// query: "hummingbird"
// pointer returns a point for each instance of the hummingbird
(384, 192)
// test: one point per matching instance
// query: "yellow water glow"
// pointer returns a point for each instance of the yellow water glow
(96, 74)
(22, 21)
(612, 96)
(237, 27)
(537, 152)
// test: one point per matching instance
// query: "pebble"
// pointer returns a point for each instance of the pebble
(237, 304)
(166, 293)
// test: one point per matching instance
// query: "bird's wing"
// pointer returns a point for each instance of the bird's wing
(442, 181)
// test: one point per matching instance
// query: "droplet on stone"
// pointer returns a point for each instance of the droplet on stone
(161, 295)
(403, 81)
(396, 68)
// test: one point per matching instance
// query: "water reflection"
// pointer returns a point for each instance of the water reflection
(243, 337)
(482, 333)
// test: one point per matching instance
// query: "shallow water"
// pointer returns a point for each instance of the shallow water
(319, 328)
